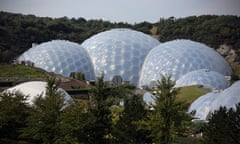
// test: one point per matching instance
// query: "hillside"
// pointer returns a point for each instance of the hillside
(18, 32)
(21, 71)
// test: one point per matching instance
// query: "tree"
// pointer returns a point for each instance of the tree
(42, 124)
(126, 130)
(74, 124)
(223, 127)
(101, 129)
(13, 111)
(166, 118)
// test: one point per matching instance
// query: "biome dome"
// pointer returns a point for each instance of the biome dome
(203, 77)
(229, 97)
(61, 57)
(34, 89)
(205, 105)
(149, 98)
(201, 107)
(179, 57)
(119, 52)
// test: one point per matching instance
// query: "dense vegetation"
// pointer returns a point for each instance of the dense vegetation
(102, 121)
(223, 127)
(49, 122)
(18, 32)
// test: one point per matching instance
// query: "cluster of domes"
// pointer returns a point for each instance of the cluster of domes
(178, 57)
(134, 56)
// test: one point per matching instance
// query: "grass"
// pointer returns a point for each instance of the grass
(190, 93)
(236, 69)
(20, 71)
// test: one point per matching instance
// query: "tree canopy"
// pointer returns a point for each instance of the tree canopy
(223, 126)
(18, 32)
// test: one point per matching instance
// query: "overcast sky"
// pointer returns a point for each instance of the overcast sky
(131, 11)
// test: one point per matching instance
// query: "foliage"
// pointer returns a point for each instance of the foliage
(210, 29)
(18, 32)
(78, 76)
(42, 124)
(223, 127)
(168, 118)
(13, 111)
(74, 124)
(126, 130)
(100, 109)
(186, 140)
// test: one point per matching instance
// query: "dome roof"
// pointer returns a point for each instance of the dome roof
(201, 107)
(34, 89)
(149, 98)
(210, 102)
(61, 57)
(203, 77)
(229, 97)
(179, 57)
(119, 52)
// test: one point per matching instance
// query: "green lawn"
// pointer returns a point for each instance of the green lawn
(20, 71)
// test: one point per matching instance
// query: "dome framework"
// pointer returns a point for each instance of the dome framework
(203, 77)
(177, 58)
(61, 57)
(119, 52)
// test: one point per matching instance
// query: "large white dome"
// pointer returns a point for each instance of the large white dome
(179, 57)
(34, 89)
(119, 52)
(61, 57)
(229, 97)
(210, 102)
(203, 77)
(202, 106)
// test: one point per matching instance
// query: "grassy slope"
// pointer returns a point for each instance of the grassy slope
(20, 71)
(190, 93)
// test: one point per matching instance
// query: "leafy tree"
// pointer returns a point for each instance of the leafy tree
(223, 127)
(101, 129)
(126, 129)
(13, 111)
(74, 124)
(77, 75)
(42, 124)
(166, 119)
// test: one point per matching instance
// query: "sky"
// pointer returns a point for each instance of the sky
(130, 11)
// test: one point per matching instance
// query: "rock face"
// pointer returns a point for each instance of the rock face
(228, 52)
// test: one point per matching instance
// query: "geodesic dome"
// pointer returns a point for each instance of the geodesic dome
(119, 52)
(202, 106)
(34, 89)
(203, 77)
(229, 97)
(61, 57)
(149, 98)
(179, 57)
(207, 104)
